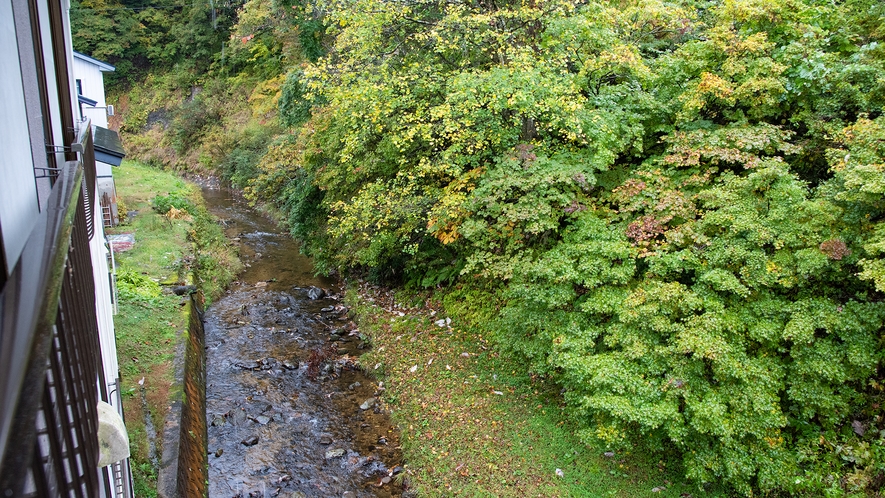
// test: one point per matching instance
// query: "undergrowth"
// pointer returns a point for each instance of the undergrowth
(475, 422)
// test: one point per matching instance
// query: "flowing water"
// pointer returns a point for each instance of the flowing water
(288, 413)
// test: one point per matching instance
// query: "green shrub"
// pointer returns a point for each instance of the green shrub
(240, 165)
(216, 262)
(163, 203)
(133, 286)
(189, 122)
(294, 107)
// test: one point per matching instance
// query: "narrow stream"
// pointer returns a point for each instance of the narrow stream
(289, 415)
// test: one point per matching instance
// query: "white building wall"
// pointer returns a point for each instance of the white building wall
(18, 191)
(92, 85)
(104, 307)
(103, 169)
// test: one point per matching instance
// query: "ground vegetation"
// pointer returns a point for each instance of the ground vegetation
(673, 210)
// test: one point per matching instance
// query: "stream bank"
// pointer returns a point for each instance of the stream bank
(289, 413)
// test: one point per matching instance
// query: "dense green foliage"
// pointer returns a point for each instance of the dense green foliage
(162, 204)
(679, 204)
(136, 35)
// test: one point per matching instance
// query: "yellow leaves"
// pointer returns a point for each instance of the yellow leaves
(754, 44)
(621, 58)
(727, 41)
(177, 214)
(708, 90)
(757, 11)
(712, 84)
(447, 215)
(446, 234)
(265, 96)
(739, 70)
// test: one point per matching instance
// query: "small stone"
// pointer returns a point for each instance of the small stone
(609, 454)
(353, 386)
(325, 439)
(237, 416)
(261, 419)
(219, 452)
(334, 453)
(315, 293)
(217, 420)
(858, 427)
(466, 355)
(348, 494)
(413, 369)
(369, 403)
(398, 470)
(248, 364)
(560, 473)
(385, 480)
(657, 489)
(250, 441)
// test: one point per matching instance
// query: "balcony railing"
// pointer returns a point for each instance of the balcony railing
(51, 377)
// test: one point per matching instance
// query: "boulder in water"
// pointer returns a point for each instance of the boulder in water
(181, 290)
(334, 453)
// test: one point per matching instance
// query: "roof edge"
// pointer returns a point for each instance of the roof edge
(102, 66)
(108, 142)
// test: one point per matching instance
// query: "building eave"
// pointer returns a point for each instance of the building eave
(102, 66)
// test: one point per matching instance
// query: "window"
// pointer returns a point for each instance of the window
(80, 102)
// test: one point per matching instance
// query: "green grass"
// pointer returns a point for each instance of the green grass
(160, 242)
(150, 323)
(479, 425)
